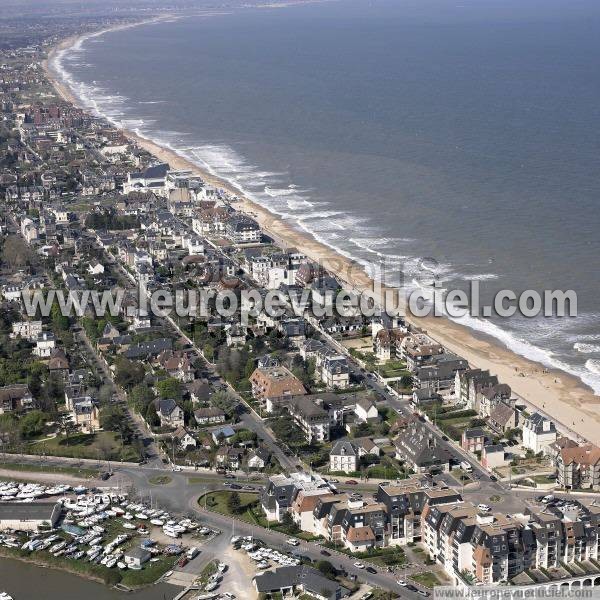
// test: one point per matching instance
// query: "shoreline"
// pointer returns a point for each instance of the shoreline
(560, 395)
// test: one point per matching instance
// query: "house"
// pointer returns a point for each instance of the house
(387, 343)
(275, 383)
(426, 395)
(199, 391)
(59, 363)
(209, 416)
(419, 448)
(145, 350)
(473, 440)
(228, 458)
(316, 414)
(365, 410)
(538, 433)
(32, 516)
(95, 268)
(297, 581)
(177, 364)
(27, 329)
(85, 414)
(579, 467)
(343, 457)
(493, 456)
(258, 459)
(222, 434)
(280, 491)
(310, 348)
(136, 557)
(335, 372)
(439, 373)
(555, 447)
(150, 180)
(241, 229)
(365, 446)
(236, 336)
(45, 344)
(418, 349)
(15, 398)
(184, 438)
(504, 417)
(171, 415)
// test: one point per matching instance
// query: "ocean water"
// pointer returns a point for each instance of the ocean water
(465, 132)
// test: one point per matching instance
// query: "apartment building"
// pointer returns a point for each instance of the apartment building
(579, 467)
(272, 384)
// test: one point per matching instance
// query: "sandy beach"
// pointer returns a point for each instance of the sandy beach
(557, 394)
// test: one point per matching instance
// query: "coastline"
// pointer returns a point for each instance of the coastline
(555, 393)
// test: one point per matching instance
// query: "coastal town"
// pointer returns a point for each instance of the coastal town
(252, 456)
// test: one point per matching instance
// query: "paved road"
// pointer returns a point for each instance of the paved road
(181, 495)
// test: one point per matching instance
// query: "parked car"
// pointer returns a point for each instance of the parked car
(359, 565)
(351, 482)
(371, 570)
(325, 553)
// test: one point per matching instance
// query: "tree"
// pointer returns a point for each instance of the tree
(60, 322)
(234, 503)
(15, 252)
(209, 352)
(326, 568)
(290, 525)
(152, 416)
(105, 394)
(140, 396)
(32, 424)
(170, 388)
(128, 373)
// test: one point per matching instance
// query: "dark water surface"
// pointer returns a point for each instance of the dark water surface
(464, 130)
(24, 581)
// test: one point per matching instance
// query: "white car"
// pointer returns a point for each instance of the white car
(359, 565)
(484, 507)
(292, 542)
(176, 468)
(402, 582)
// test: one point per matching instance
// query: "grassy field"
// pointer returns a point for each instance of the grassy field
(49, 468)
(427, 579)
(104, 445)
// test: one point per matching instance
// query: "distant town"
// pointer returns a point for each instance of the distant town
(326, 457)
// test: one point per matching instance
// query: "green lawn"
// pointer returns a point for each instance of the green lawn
(149, 574)
(49, 468)
(104, 445)
(428, 579)
(249, 512)
(160, 480)
(217, 502)
(384, 557)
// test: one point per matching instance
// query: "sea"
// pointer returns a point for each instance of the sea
(459, 138)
